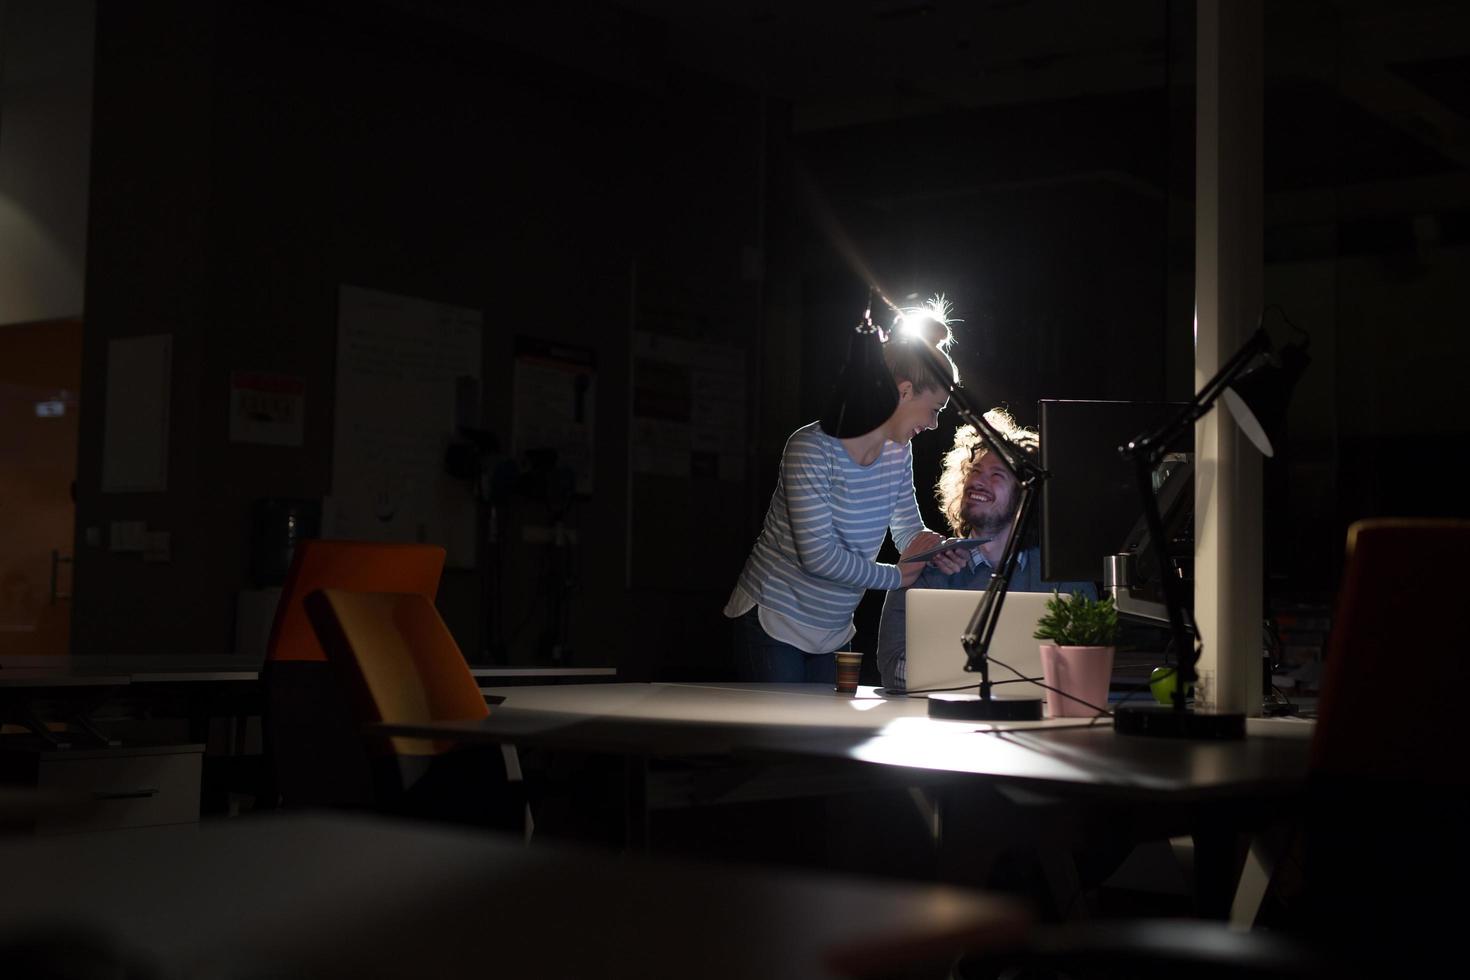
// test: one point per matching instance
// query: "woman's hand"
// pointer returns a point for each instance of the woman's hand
(922, 542)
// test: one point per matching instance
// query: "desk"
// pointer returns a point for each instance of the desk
(808, 721)
(76, 694)
(117, 670)
(353, 897)
(198, 687)
(546, 673)
(689, 719)
(1208, 789)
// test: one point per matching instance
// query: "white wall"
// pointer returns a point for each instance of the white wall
(45, 147)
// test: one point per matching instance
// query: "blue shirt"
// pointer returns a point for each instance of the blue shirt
(892, 659)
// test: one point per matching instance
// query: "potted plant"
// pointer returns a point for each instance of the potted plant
(1077, 653)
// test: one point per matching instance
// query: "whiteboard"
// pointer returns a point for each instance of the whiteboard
(398, 362)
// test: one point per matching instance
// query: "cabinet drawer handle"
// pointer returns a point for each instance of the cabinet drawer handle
(126, 794)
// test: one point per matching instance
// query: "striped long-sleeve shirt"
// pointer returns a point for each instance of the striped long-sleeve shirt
(815, 555)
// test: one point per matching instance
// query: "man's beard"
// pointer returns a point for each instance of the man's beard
(992, 524)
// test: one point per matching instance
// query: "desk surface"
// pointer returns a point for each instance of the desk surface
(42, 677)
(808, 721)
(120, 670)
(493, 672)
(352, 897)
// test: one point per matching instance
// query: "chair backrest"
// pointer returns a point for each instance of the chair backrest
(1382, 829)
(1396, 669)
(361, 566)
(399, 660)
(315, 755)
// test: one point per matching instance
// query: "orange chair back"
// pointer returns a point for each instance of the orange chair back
(1397, 668)
(361, 566)
(400, 661)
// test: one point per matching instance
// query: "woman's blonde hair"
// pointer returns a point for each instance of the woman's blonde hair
(929, 324)
(968, 449)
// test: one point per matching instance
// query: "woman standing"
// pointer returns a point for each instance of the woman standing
(845, 481)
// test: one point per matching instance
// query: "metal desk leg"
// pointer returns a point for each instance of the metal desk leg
(513, 774)
(1218, 856)
(1266, 850)
(25, 717)
(83, 723)
(1059, 868)
(930, 811)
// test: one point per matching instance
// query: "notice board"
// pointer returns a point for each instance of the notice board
(399, 365)
(555, 395)
(687, 456)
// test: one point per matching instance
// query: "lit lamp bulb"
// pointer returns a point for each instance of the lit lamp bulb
(919, 325)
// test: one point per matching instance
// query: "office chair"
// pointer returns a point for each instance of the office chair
(314, 754)
(1383, 844)
(399, 663)
(1372, 883)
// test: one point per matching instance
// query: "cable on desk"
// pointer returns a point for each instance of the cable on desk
(1020, 679)
(1023, 677)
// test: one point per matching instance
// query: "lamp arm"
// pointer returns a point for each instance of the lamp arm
(1153, 444)
(1020, 465)
(1143, 468)
(977, 635)
(1145, 452)
(1028, 476)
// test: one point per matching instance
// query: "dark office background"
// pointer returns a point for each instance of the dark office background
(724, 173)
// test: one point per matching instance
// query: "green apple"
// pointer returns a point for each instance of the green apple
(1162, 681)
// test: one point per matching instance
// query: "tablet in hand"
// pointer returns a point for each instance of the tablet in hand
(949, 544)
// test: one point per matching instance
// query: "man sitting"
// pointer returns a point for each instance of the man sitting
(979, 497)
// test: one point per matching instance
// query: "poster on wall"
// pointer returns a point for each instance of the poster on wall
(268, 409)
(400, 361)
(688, 408)
(555, 394)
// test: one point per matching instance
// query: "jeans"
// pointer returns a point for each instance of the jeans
(760, 658)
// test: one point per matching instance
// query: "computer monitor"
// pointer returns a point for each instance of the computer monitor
(1090, 506)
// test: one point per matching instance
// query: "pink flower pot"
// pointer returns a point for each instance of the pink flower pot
(1083, 672)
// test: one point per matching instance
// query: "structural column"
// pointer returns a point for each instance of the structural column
(1228, 590)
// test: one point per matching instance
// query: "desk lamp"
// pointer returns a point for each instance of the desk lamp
(1256, 384)
(977, 635)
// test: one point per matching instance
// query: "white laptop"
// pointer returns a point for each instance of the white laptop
(938, 617)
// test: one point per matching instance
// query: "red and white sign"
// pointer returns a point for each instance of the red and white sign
(267, 408)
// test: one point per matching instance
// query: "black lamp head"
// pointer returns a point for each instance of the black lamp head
(1259, 397)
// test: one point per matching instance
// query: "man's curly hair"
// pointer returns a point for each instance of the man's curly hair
(969, 447)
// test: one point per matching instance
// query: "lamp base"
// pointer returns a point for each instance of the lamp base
(972, 707)
(1165, 721)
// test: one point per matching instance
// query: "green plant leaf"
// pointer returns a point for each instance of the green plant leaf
(1077, 621)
